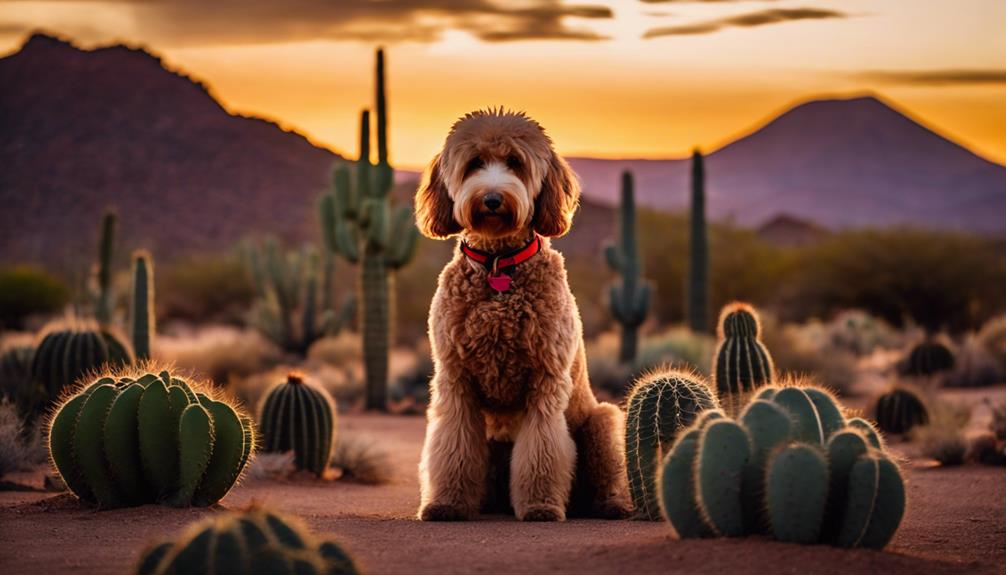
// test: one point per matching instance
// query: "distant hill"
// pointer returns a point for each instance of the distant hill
(83, 130)
(838, 162)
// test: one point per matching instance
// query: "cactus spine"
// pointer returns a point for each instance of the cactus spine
(367, 230)
(660, 405)
(628, 299)
(68, 351)
(141, 311)
(103, 297)
(899, 410)
(742, 363)
(254, 541)
(132, 438)
(299, 417)
(776, 471)
(287, 311)
(697, 305)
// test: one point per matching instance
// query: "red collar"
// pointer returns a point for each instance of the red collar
(500, 266)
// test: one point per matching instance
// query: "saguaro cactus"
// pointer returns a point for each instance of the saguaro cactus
(697, 290)
(742, 363)
(660, 405)
(253, 541)
(68, 351)
(141, 310)
(629, 298)
(132, 438)
(367, 230)
(790, 466)
(300, 417)
(102, 295)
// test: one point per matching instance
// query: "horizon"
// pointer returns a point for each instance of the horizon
(647, 100)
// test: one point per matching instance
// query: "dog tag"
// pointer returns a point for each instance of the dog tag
(499, 282)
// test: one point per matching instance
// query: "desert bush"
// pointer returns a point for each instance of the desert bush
(803, 349)
(21, 446)
(943, 438)
(27, 290)
(974, 365)
(221, 353)
(997, 426)
(676, 345)
(993, 338)
(362, 460)
(860, 333)
(341, 350)
(207, 288)
(410, 384)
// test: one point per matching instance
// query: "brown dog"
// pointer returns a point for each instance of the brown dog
(511, 403)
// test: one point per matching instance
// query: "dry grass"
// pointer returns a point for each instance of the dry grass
(808, 349)
(943, 439)
(362, 460)
(220, 353)
(975, 365)
(20, 449)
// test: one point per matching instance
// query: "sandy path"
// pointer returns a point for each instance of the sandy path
(957, 523)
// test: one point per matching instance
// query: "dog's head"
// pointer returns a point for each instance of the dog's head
(496, 176)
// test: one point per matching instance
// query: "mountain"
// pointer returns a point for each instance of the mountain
(837, 162)
(83, 130)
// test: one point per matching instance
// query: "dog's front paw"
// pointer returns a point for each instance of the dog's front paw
(543, 512)
(444, 512)
(612, 509)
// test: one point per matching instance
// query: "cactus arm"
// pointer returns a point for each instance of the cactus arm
(613, 257)
(403, 238)
(382, 109)
(106, 253)
(363, 166)
(142, 316)
(346, 202)
(698, 272)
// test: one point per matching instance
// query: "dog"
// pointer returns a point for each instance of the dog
(512, 421)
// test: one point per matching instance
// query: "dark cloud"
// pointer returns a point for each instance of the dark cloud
(749, 20)
(264, 21)
(948, 77)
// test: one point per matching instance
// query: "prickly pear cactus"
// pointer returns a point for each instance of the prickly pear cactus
(629, 298)
(68, 351)
(660, 405)
(790, 466)
(253, 541)
(899, 410)
(300, 417)
(133, 437)
(742, 363)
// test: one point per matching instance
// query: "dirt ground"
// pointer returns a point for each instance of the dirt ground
(956, 523)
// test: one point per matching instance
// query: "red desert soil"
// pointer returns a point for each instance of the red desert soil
(956, 523)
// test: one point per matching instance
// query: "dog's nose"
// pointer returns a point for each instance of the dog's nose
(492, 200)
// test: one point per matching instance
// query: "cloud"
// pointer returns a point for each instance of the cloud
(694, 1)
(186, 22)
(946, 77)
(749, 20)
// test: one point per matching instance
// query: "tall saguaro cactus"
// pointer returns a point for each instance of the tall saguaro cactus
(366, 229)
(629, 298)
(103, 298)
(697, 305)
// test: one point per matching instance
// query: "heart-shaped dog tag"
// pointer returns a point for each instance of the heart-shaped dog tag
(499, 282)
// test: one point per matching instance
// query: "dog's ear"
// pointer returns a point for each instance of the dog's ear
(434, 208)
(557, 200)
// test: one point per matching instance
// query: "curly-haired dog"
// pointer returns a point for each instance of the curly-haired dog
(511, 403)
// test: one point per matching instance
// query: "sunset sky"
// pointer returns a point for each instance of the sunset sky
(607, 78)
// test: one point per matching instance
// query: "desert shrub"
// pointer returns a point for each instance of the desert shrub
(21, 448)
(219, 353)
(860, 333)
(804, 349)
(362, 460)
(902, 275)
(997, 425)
(343, 349)
(410, 382)
(676, 345)
(27, 290)
(974, 365)
(943, 439)
(204, 288)
(993, 338)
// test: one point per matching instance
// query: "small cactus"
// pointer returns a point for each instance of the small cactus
(300, 417)
(929, 358)
(660, 404)
(68, 351)
(253, 541)
(629, 298)
(16, 383)
(141, 310)
(134, 437)
(742, 363)
(790, 466)
(899, 410)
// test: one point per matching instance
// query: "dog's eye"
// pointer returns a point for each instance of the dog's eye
(473, 164)
(513, 162)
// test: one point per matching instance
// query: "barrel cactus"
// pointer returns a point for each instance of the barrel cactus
(133, 437)
(742, 363)
(300, 417)
(253, 541)
(790, 466)
(929, 358)
(69, 351)
(899, 410)
(16, 383)
(660, 404)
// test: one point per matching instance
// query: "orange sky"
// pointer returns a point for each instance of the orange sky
(595, 82)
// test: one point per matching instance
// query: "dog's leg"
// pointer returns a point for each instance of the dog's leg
(544, 459)
(452, 471)
(601, 453)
